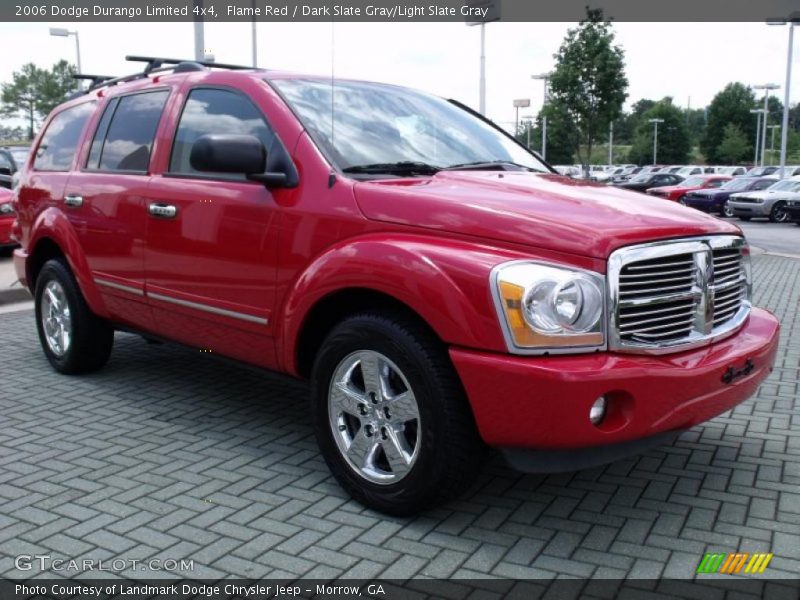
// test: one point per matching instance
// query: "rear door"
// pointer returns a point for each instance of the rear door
(107, 201)
(211, 253)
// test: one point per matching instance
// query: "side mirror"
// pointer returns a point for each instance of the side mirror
(228, 153)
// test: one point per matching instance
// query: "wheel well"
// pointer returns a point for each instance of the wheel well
(44, 251)
(332, 309)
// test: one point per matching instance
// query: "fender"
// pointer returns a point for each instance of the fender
(53, 225)
(445, 281)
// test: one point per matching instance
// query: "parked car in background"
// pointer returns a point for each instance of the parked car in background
(679, 191)
(789, 171)
(12, 159)
(715, 200)
(732, 171)
(645, 181)
(770, 203)
(7, 218)
(761, 171)
(793, 210)
(568, 171)
(689, 171)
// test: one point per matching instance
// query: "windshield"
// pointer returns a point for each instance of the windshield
(378, 125)
(693, 182)
(736, 184)
(787, 185)
(642, 177)
(19, 154)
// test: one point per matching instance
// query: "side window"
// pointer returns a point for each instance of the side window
(215, 111)
(125, 134)
(715, 183)
(58, 145)
(762, 185)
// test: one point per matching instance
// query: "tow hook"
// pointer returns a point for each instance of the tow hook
(732, 373)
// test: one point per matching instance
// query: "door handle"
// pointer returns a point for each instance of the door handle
(165, 211)
(73, 200)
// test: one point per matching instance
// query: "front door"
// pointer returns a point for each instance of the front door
(211, 253)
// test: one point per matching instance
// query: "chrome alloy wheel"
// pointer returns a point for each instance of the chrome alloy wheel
(56, 320)
(374, 417)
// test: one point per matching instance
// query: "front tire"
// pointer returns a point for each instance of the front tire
(73, 338)
(390, 415)
(726, 210)
(779, 214)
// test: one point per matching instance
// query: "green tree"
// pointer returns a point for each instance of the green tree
(625, 125)
(561, 140)
(695, 123)
(674, 141)
(730, 106)
(34, 92)
(589, 81)
(734, 146)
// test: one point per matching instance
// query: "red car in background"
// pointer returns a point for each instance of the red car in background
(7, 217)
(677, 193)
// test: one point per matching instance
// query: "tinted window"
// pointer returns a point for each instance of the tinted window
(131, 132)
(215, 111)
(57, 148)
(762, 185)
(100, 135)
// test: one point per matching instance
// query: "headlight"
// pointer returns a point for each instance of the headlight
(543, 307)
(6, 209)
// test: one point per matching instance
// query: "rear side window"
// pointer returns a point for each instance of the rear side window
(58, 145)
(125, 134)
(210, 111)
(762, 185)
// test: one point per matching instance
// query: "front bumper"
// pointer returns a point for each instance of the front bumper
(702, 203)
(749, 209)
(543, 402)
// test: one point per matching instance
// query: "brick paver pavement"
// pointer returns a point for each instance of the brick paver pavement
(167, 453)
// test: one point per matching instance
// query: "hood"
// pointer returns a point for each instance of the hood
(760, 195)
(709, 192)
(542, 211)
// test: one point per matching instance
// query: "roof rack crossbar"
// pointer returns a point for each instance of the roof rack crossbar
(153, 62)
(94, 79)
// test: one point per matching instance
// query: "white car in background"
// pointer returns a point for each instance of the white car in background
(769, 203)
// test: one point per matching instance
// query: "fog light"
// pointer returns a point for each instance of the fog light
(598, 410)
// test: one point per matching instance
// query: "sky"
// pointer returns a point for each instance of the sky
(688, 61)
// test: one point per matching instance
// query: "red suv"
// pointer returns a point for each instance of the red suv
(440, 286)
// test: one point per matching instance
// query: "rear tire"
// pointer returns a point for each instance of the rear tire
(391, 416)
(73, 338)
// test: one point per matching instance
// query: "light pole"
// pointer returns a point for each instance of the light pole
(772, 142)
(254, 35)
(792, 20)
(519, 103)
(546, 78)
(528, 119)
(61, 32)
(758, 112)
(544, 137)
(610, 143)
(655, 123)
(492, 14)
(766, 87)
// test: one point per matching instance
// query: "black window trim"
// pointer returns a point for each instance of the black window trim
(214, 177)
(118, 99)
(34, 152)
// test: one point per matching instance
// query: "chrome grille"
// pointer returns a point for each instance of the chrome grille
(668, 296)
(670, 279)
(729, 284)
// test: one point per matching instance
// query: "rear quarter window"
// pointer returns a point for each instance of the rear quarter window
(60, 140)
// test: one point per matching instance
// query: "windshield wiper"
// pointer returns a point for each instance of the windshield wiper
(406, 167)
(488, 164)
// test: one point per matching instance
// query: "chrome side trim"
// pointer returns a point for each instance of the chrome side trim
(703, 292)
(119, 286)
(209, 309)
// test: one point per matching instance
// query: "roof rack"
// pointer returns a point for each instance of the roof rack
(158, 64)
(94, 79)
